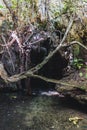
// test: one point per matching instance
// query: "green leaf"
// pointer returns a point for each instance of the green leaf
(80, 74)
(14, 97)
(82, 87)
(1, 6)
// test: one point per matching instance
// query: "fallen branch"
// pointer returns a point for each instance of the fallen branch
(18, 77)
(52, 80)
(75, 42)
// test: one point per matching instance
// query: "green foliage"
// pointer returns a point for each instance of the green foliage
(76, 50)
(69, 6)
(77, 63)
(1, 6)
(14, 4)
(25, 10)
(80, 74)
(61, 12)
(84, 0)
(6, 25)
(28, 10)
(83, 73)
(82, 88)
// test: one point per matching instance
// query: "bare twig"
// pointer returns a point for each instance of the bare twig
(75, 42)
(37, 42)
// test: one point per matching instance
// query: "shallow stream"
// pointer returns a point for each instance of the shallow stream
(40, 112)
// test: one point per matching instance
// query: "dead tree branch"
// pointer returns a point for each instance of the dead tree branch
(75, 42)
(7, 6)
(18, 77)
(39, 66)
(30, 73)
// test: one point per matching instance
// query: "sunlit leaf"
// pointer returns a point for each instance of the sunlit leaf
(1, 6)
(80, 74)
(14, 97)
